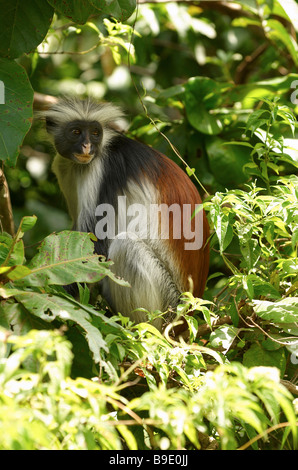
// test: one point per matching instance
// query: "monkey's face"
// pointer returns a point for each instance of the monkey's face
(80, 141)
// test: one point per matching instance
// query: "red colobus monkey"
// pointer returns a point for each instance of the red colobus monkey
(106, 179)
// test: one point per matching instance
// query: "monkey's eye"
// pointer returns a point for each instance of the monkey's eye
(95, 132)
(76, 131)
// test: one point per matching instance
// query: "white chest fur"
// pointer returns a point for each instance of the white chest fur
(80, 186)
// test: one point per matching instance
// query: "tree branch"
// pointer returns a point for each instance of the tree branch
(6, 215)
(224, 7)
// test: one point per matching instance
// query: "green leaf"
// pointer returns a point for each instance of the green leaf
(244, 22)
(84, 293)
(276, 31)
(67, 257)
(250, 250)
(12, 249)
(128, 437)
(258, 356)
(23, 25)
(251, 93)
(77, 10)
(201, 96)
(27, 223)
(48, 307)
(262, 287)
(290, 9)
(11, 252)
(164, 96)
(16, 111)
(13, 316)
(254, 121)
(295, 237)
(190, 171)
(227, 161)
(248, 286)
(223, 337)
(282, 311)
(119, 9)
(14, 273)
(224, 231)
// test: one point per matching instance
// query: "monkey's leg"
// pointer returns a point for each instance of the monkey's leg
(152, 287)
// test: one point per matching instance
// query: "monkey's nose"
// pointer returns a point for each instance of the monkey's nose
(86, 148)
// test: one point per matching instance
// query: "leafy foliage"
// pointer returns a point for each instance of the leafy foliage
(83, 414)
(16, 116)
(217, 86)
(38, 367)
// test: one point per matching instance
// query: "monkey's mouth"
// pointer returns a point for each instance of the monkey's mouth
(83, 157)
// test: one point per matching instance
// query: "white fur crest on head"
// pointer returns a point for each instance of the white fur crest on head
(72, 109)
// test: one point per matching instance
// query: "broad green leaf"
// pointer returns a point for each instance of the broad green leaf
(48, 307)
(14, 272)
(261, 287)
(288, 116)
(67, 257)
(6, 292)
(223, 337)
(175, 91)
(258, 356)
(282, 311)
(119, 9)
(77, 10)
(23, 25)
(227, 161)
(15, 111)
(15, 317)
(201, 96)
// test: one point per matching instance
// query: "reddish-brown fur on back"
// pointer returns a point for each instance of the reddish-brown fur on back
(175, 187)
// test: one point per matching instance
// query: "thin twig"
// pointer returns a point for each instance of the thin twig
(293, 389)
(72, 52)
(6, 214)
(264, 433)
(283, 343)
